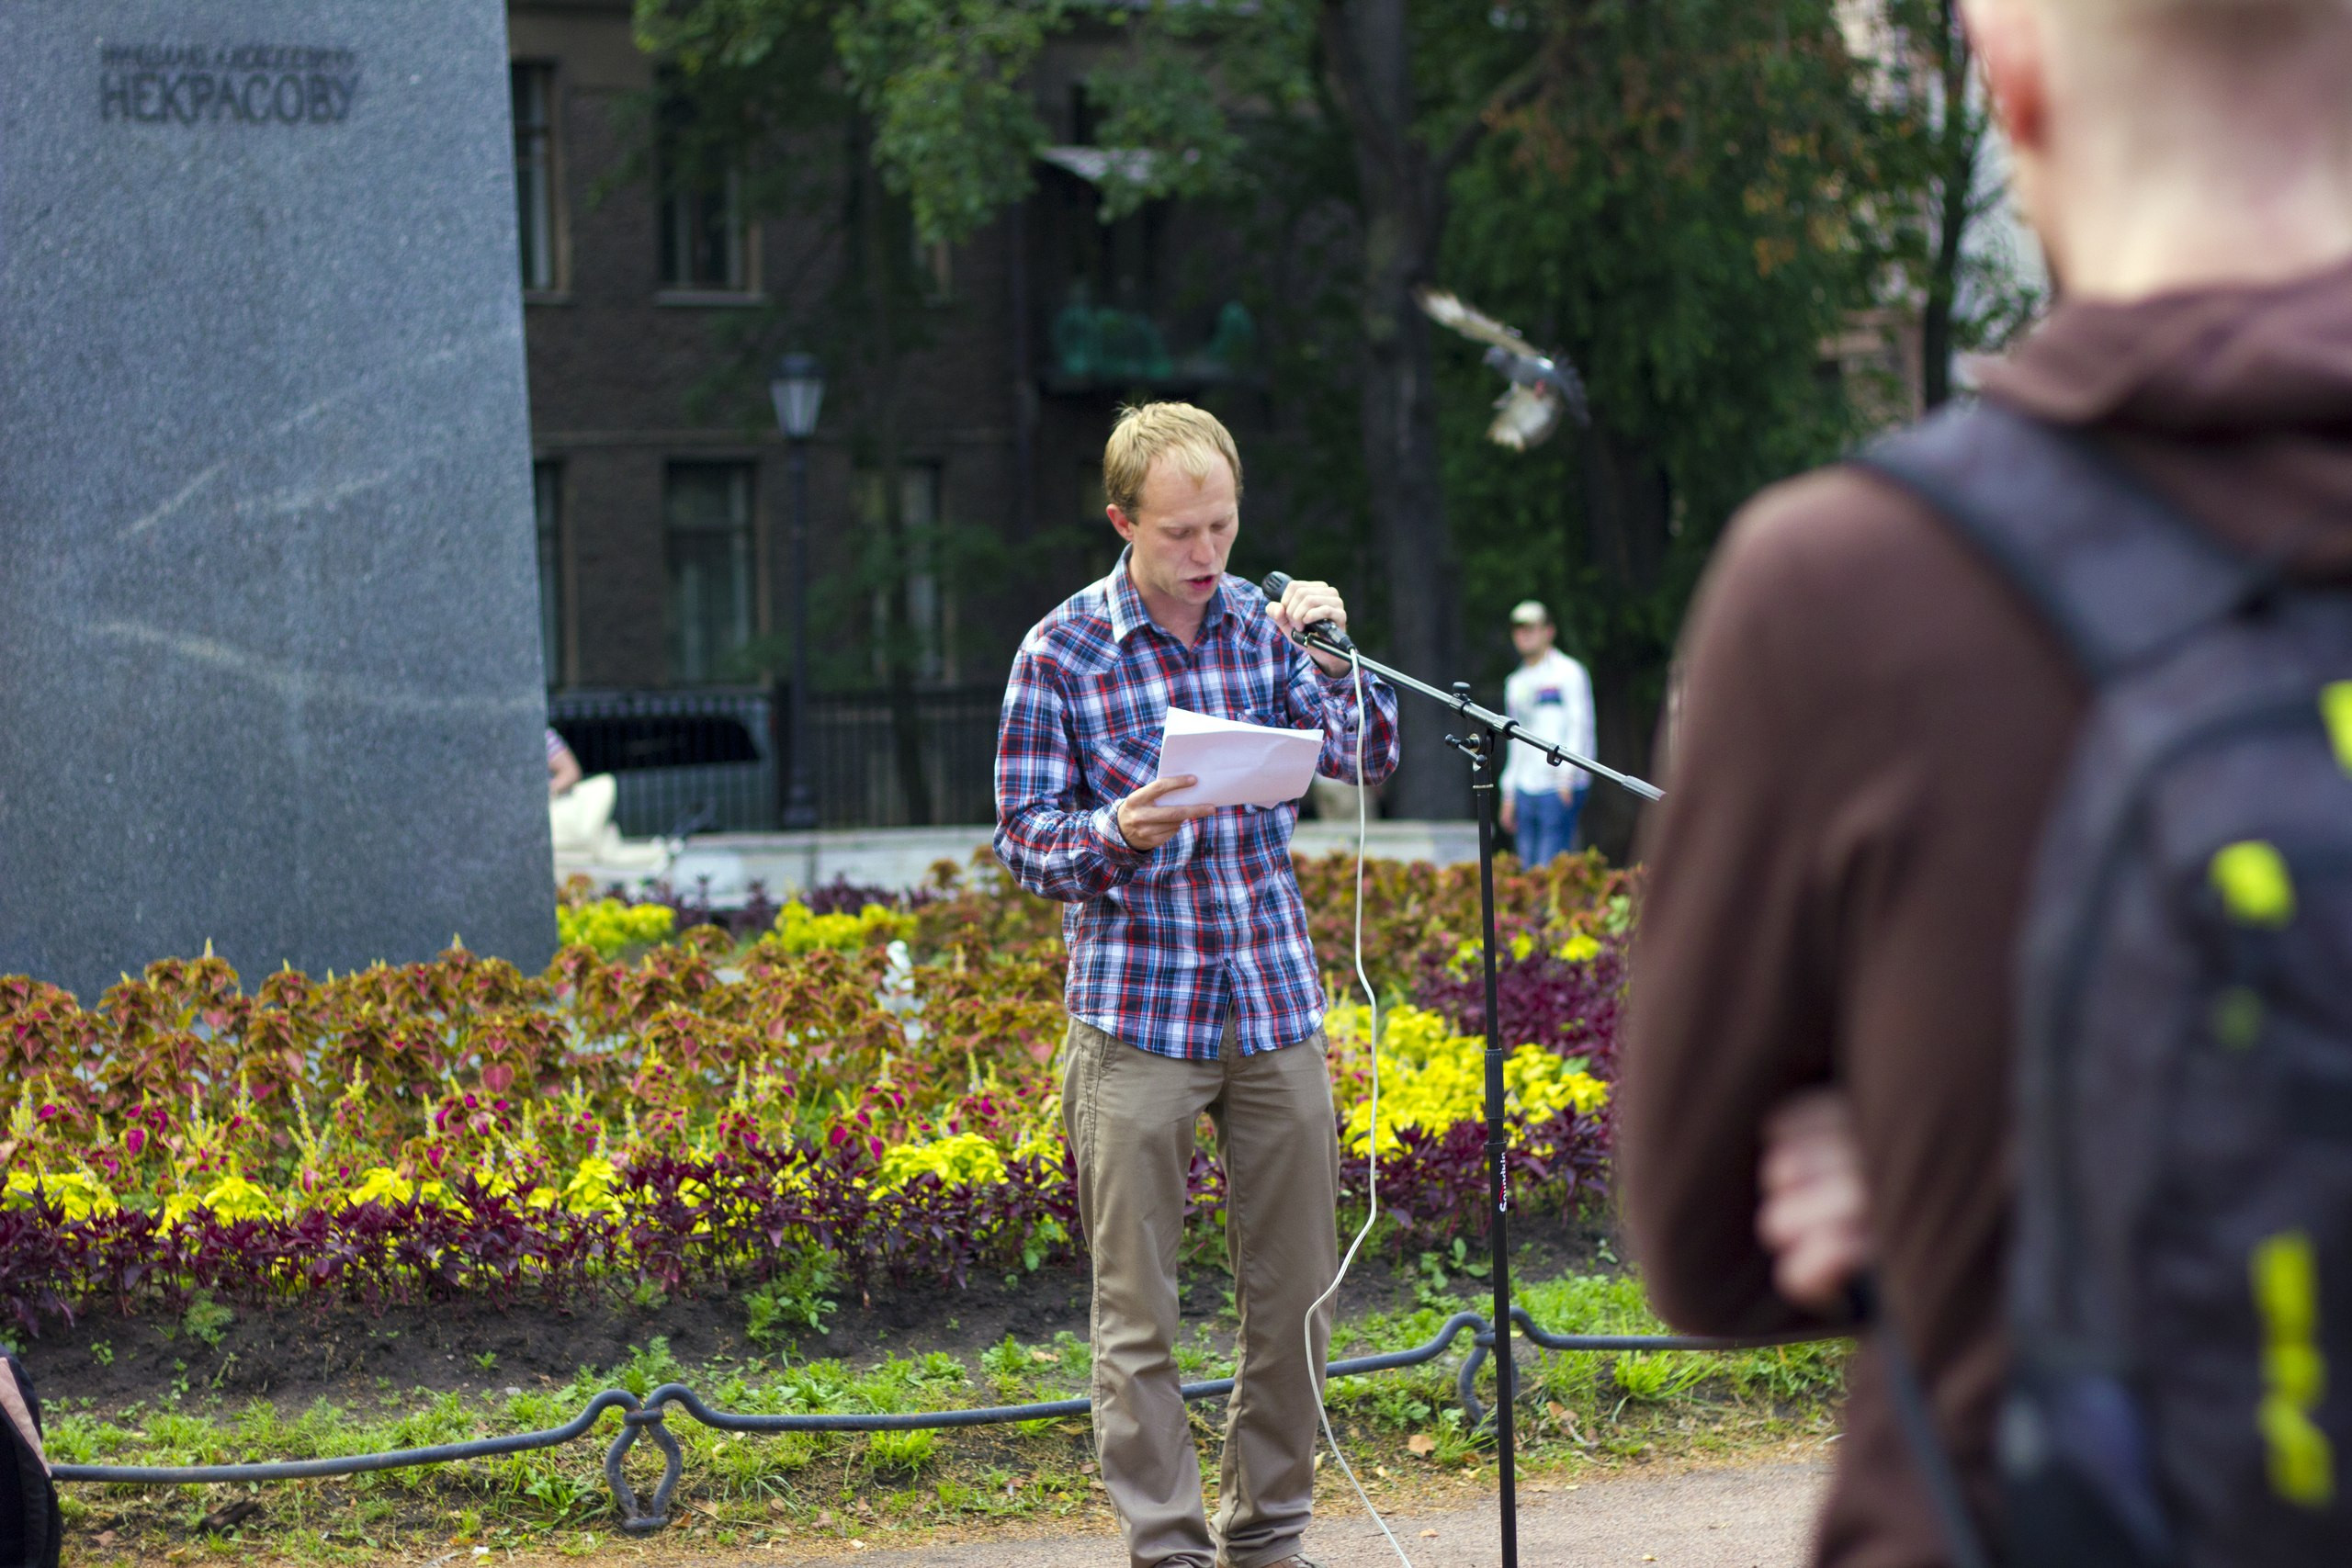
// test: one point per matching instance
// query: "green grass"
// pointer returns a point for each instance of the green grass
(761, 1488)
(1595, 1403)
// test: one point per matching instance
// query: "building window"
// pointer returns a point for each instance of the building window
(702, 238)
(706, 519)
(935, 267)
(706, 246)
(926, 635)
(534, 172)
(547, 501)
(1111, 324)
(1119, 262)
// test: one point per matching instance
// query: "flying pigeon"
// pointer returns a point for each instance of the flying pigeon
(1540, 387)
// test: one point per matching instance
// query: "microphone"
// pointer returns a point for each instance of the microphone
(1274, 584)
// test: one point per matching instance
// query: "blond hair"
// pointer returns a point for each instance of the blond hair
(1148, 432)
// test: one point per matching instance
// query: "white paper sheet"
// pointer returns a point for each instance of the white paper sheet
(1237, 763)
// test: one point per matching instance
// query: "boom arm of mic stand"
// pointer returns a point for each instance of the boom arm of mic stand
(1501, 724)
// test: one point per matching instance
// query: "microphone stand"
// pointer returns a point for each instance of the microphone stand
(1488, 733)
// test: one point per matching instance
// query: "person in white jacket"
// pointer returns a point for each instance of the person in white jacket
(1552, 695)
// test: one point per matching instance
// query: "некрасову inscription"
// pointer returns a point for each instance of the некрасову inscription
(246, 84)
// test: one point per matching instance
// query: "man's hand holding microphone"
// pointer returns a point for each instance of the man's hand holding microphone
(1295, 606)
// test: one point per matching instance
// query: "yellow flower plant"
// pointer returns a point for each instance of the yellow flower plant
(1431, 1077)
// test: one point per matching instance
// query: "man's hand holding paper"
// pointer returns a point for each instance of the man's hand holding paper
(1206, 762)
(1234, 764)
(1147, 821)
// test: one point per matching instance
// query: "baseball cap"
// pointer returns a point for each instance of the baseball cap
(1530, 613)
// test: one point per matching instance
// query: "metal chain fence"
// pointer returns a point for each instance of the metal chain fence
(648, 1416)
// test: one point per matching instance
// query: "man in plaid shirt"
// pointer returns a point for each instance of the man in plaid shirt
(1193, 986)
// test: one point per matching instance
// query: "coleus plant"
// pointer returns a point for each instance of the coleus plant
(872, 1081)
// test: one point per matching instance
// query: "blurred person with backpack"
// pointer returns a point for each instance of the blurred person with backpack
(1998, 939)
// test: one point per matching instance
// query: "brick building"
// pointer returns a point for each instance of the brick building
(663, 499)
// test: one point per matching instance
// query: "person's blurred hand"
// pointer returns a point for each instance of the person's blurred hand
(1815, 1213)
(1510, 811)
(1146, 824)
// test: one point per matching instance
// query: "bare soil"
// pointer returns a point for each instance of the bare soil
(1752, 1508)
(293, 1355)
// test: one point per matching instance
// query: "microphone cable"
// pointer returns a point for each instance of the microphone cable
(1372, 1148)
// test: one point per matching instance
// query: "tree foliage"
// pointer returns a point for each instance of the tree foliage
(1691, 208)
(1693, 198)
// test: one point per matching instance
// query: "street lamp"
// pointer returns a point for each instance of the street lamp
(798, 391)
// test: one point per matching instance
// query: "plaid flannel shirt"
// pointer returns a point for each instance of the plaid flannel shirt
(1165, 944)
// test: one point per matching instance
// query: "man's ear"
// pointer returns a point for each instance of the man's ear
(2007, 38)
(1122, 522)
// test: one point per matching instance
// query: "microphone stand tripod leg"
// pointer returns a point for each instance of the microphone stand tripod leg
(1484, 748)
(1491, 732)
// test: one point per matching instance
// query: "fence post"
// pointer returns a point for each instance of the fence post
(780, 742)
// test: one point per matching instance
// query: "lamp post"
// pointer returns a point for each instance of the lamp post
(798, 390)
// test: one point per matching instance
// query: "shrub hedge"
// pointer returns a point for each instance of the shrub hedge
(866, 1081)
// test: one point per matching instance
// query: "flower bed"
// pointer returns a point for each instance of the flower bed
(863, 1092)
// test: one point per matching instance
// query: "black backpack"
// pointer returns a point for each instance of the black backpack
(2180, 1297)
(31, 1527)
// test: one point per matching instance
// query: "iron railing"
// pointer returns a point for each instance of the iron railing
(648, 1416)
(718, 758)
(699, 760)
(853, 761)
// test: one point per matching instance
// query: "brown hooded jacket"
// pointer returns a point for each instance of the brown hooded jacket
(1871, 730)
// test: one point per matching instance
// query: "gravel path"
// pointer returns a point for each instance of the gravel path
(1746, 1516)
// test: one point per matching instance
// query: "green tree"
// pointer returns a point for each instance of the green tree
(1968, 298)
(1956, 133)
(1693, 205)
(1413, 90)
(759, 94)
(1691, 196)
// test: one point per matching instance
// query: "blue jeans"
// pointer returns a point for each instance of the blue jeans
(1547, 825)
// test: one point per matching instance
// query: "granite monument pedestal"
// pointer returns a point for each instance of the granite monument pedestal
(269, 662)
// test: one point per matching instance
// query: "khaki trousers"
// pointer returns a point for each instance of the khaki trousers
(1129, 1116)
